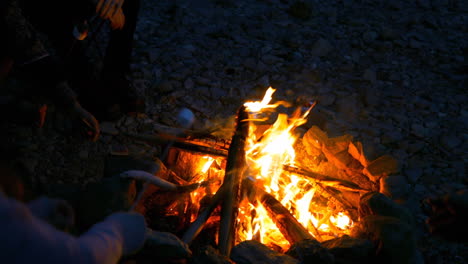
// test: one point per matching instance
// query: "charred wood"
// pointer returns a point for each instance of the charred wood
(235, 167)
(200, 222)
(326, 180)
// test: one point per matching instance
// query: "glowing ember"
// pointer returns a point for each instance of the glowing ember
(265, 155)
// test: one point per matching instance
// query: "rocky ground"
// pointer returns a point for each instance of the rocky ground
(391, 73)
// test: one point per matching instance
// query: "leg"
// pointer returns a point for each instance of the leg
(119, 50)
(117, 62)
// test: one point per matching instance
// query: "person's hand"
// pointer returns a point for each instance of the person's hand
(118, 20)
(89, 120)
(112, 10)
(132, 230)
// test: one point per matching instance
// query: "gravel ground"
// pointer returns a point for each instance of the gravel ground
(391, 73)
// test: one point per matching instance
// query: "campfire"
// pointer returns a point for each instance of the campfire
(270, 182)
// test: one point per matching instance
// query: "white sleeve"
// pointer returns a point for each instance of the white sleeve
(25, 238)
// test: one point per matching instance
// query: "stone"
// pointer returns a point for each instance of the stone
(345, 161)
(350, 250)
(394, 186)
(83, 154)
(391, 136)
(376, 203)
(426, 4)
(384, 165)
(326, 99)
(356, 150)
(371, 97)
(300, 10)
(394, 239)
(370, 75)
(338, 144)
(450, 141)
(315, 138)
(189, 84)
(388, 34)
(164, 245)
(415, 44)
(321, 47)
(108, 128)
(415, 146)
(254, 252)
(413, 174)
(250, 64)
(165, 87)
(349, 106)
(310, 251)
(210, 255)
(370, 36)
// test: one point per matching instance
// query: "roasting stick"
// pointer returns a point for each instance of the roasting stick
(185, 118)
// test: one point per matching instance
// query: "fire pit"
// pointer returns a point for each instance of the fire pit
(273, 184)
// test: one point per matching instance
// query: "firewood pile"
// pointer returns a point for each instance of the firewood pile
(343, 178)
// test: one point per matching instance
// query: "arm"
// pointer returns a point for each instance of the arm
(26, 238)
(25, 47)
(48, 72)
(112, 10)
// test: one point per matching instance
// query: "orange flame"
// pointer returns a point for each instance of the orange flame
(265, 157)
(206, 173)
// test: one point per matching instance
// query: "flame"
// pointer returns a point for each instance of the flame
(265, 156)
(207, 165)
(258, 106)
(267, 152)
(206, 173)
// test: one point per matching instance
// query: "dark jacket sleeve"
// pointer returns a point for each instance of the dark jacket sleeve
(23, 44)
(21, 41)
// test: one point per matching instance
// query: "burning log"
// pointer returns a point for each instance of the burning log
(336, 197)
(234, 171)
(229, 192)
(180, 143)
(199, 223)
(288, 225)
(326, 180)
